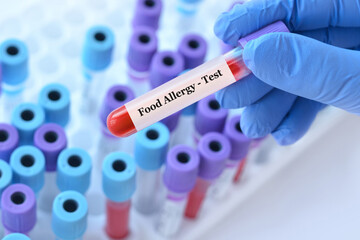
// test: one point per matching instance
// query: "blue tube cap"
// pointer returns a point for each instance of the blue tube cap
(28, 165)
(55, 100)
(118, 176)
(14, 57)
(6, 175)
(69, 215)
(151, 146)
(73, 170)
(16, 236)
(27, 117)
(98, 48)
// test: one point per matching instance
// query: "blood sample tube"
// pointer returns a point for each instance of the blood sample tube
(151, 146)
(16, 236)
(147, 13)
(14, 57)
(55, 100)
(115, 97)
(143, 45)
(28, 166)
(9, 140)
(73, 170)
(69, 216)
(26, 118)
(209, 111)
(239, 149)
(182, 165)
(185, 89)
(97, 56)
(118, 180)
(214, 148)
(18, 206)
(50, 138)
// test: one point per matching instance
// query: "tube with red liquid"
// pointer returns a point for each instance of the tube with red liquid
(119, 186)
(214, 148)
(185, 89)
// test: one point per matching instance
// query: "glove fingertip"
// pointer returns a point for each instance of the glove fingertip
(284, 137)
(252, 129)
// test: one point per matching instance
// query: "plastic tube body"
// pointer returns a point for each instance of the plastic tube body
(196, 197)
(223, 183)
(117, 218)
(171, 214)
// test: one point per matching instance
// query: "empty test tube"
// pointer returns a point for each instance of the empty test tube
(9, 140)
(151, 146)
(55, 100)
(180, 175)
(239, 149)
(26, 118)
(50, 138)
(214, 148)
(118, 181)
(14, 57)
(69, 215)
(28, 166)
(18, 206)
(147, 13)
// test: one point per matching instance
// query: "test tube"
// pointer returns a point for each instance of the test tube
(143, 45)
(147, 13)
(214, 148)
(209, 111)
(54, 98)
(69, 215)
(14, 57)
(28, 166)
(16, 236)
(97, 56)
(151, 146)
(165, 66)
(18, 206)
(26, 118)
(118, 181)
(188, 88)
(180, 175)
(240, 145)
(50, 138)
(73, 170)
(9, 140)
(115, 97)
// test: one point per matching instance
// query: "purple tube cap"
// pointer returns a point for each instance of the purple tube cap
(147, 13)
(193, 48)
(51, 139)
(214, 149)
(240, 144)
(181, 169)
(210, 117)
(143, 46)
(115, 97)
(165, 66)
(18, 203)
(9, 140)
(278, 26)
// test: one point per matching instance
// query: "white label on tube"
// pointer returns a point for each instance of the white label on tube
(223, 183)
(170, 217)
(180, 92)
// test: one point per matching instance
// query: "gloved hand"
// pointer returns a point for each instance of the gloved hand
(294, 74)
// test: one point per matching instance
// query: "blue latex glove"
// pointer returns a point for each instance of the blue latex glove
(294, 75)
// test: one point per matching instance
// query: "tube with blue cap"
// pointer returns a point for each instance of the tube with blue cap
(151, 146)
